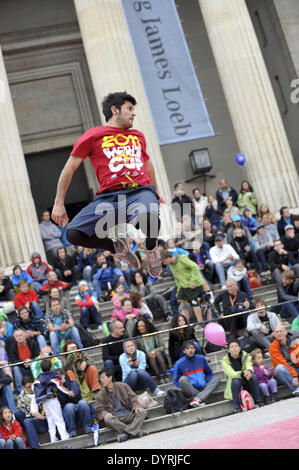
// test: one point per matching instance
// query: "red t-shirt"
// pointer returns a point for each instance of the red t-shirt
(22, 299)
(117, 156)
(24, 352)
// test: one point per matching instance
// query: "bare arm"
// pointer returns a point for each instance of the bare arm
(59, 212)
(151, 173)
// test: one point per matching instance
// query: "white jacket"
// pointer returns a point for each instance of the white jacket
(254, 322)
(219, 255)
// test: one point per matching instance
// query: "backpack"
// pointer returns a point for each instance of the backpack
(155, 308)
(254, 279)
(174, 401)
(247, 343)
(87, 338)
(246, 400)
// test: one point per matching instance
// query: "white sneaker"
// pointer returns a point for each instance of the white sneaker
(296, 392)
(154, 263)
(158, 392)
(223, 288)
(100, 328)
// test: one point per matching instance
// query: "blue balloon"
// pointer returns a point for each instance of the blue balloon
(240, 159)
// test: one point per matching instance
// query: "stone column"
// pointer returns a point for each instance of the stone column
(113, 67)
(255, 115)
(19, 228)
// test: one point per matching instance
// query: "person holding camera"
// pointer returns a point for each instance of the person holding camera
(231, 301)
(45, 353)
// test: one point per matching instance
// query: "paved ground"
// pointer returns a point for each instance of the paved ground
(278, 422)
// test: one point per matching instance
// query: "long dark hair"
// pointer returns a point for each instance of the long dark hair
(187, 332)
(150, 327)
(1, 414)
(249, 187)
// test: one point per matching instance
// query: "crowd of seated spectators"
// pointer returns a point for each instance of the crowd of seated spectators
(219, 240)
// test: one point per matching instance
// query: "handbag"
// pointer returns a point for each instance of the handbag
(146, 401)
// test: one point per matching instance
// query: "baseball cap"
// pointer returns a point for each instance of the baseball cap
(236, 218)
(219, 236)
(288, 227)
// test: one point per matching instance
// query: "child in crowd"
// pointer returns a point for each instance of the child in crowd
(19, 275)
(266, 381)
(45, 389)
(238, 273)
(10, 430)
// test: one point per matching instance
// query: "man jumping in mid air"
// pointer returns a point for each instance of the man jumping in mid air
(128, 192)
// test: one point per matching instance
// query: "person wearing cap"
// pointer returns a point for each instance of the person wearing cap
(290, 242)
(237, 223)
(263, 245)
(223, 256)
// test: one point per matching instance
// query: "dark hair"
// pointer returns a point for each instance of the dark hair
(233, 340)
(135, 298)
(282, 209)
(1, 413)
(187, 343)
(166, 254)
(46, 365)
(108, 371)
(54, 300)
(23, 308)
(196, 189)
(187, 331)
(61, 248)
(15, 267)
(259, 300)
(150, 327)
(125, 300)
(116, 99)
(26, 379)
(144, 277)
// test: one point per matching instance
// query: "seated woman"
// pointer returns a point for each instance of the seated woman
(179, 336)
(140, 284)
(90, 311)
(133, 366)
(137, 302)
(117, 297)
(128, 315)
(80, 367)
(65, 267)
(238, 368)
(152, 348)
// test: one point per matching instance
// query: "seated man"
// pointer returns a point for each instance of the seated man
(281, 260)
(285, 219)
(105, 276)
(6, 288)
(64, 266)
(270, 227)
(112, 352)
(261, 325)
(233, 301)
(284, 370)
(19, 349)
(61, 326)
(33, 326)
(263, 245)
(194, 376)
(53, 281)
(223, 256)
(45, 352)
(117, 405)
(28, 298)
(287, 291)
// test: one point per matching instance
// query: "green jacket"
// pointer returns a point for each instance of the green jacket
(186, 272)
(245, 201)
(232, 374)
(295, 324)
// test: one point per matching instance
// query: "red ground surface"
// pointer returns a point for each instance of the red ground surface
(280, 435)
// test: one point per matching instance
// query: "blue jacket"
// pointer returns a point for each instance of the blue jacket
(64, 399)
(24, 277)
(46, 385)
(126, 368)
(196, 369)
(109, 274)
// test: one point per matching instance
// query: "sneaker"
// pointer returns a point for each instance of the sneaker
(123, 251)
(223, 287)
(72, 434)
(142, 433)
(100, 328)
(122, 437)
(273, 398)
(195, 402)
(268, 400)
(158, 392)
(296, 392)
(154, 263)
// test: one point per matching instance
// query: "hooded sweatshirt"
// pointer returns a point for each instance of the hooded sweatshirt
(124, 362)
(38, 271)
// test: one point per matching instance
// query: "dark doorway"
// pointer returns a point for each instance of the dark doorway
(44, 169)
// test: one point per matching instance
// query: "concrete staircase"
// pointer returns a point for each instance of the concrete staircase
(157, 420)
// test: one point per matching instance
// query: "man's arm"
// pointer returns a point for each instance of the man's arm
(59, 212)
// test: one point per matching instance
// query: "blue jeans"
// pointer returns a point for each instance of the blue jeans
(37, 311)
(37, 285)
(283, 375)
(87, 273)
(90, 315)
(79, 412)
(138, 379)
(41, 341)
(252, 386)
(2, 444)
(33, 427)
(17, 444)
(262, 259)
(244, 285)
(71, 333)
(18, 373)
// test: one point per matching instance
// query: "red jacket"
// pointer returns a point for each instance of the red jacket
(21, 299)
(14, 429)
(45, 287)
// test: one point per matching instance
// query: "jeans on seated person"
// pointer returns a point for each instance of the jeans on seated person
(36, 310)
(41, 341)
(18, 443)
(252, 386)
(138, 379)
(33, 427)
(19, 372)
(283, 375)
(56, 337)
(7, 397)
(221, 271)
(289, 310)
(77, 413)
(244, 285)
(90, 315)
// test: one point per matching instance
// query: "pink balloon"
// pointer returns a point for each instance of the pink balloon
(215, 334)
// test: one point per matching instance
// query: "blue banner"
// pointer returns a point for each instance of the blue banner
(168, 74)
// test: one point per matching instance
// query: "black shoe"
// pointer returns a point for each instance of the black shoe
(273, 398)
(237, 410)
(122, 437)
(268, 400)
(142, 433)
(260, 404)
